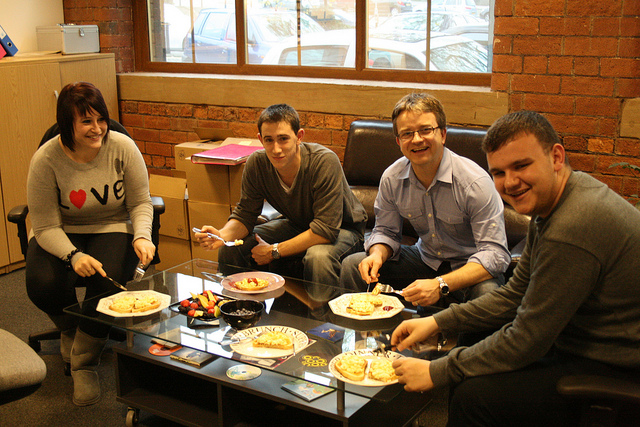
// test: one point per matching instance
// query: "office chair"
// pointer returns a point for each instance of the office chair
(18, 216)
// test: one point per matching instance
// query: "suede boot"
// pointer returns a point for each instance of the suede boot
(67, 325)
(85, 358)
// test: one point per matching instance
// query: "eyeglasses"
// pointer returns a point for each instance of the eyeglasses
(424, 133)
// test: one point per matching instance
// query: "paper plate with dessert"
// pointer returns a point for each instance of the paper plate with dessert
(366, 306)
(362, 367)
(266, 342)
(133, 303)
(253, 282)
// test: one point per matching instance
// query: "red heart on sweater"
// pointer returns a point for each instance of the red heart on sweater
(78, 198)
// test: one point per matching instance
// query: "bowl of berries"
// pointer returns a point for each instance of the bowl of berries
(242, 314)
(204, 306)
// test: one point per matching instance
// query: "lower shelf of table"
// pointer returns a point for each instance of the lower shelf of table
(206, 396)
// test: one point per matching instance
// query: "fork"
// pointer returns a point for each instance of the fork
(215, 236)
(387, 289)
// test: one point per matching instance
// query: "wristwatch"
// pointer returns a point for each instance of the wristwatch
(444, 288)
(275, 253)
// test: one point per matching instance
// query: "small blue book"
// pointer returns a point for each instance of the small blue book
(328, 331)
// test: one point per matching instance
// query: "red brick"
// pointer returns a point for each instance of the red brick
(244, 130)
(605, 164)
(629, 47)
(320, 136)
(628, 88)
(620, 67)
(230, 114)
(516, 26)
(594, 8)
(129, 106)
(535, 83)
(587, 86)
(539, 8)
(333, 121)
(600, 145)
(248, 115)
(590, 46)
(548, 103)
(146, 135)
(592, 106)
(158, 161)
(561, 26)
(500, 82)
(608, 127)
(180, 110)
(215, 113)
(542, 45)
(586, 66)
(628, 147)
(507, 64)
(211, 124)
(575, 143)
(173, 137)
(158, 149)
(571, 124)
(200, 111)
(157, 122)
(503, 7)
(314, 120)
(560, 65)
(339, 138)
(582, 162)
(185, 124)
(131, 120)
(502, 44)
(152, 108)
(535, 64)
(606, 27)
(631, 187)
(630, 25)
(613, 182)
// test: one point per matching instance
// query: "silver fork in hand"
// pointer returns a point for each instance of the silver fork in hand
(387, 289)
(215, 236)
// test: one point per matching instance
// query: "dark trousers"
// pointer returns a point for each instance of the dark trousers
(526, 397)
(51, 285)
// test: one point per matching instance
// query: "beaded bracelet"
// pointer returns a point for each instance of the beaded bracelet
(67, 258)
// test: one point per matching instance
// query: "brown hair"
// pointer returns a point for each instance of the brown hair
(280, 113)
(512, 125)
(419, 103)
(80, 99)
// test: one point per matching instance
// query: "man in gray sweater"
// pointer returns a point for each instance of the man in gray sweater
(571, 307)
(322, 221)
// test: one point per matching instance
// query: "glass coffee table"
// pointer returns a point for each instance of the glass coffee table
(242, 382)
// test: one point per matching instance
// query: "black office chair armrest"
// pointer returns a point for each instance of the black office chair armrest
(158, 209)
(599, 387)
(18, 216)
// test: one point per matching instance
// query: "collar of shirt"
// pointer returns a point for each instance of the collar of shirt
(443, 174)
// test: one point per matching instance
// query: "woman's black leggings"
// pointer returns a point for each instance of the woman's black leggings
(51, 285)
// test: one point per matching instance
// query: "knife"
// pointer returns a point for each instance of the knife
(116, 283)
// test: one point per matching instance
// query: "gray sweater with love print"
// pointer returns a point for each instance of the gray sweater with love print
(107, 195)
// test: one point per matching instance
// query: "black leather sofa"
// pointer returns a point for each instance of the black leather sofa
(371, 148)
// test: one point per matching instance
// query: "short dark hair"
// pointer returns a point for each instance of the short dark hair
(419, 103)
(280, 113)
(78, 98)
(512, 125)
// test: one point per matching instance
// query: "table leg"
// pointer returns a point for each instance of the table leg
(340, 394)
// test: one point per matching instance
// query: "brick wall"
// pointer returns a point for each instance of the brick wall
(574, 61)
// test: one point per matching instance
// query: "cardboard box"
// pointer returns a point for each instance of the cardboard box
(68, 38)
(174, 222)
(202, 213)
(173, 252)
(219, 184)
(209, 138)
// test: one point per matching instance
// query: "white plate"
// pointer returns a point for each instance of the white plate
(105, 303)
(275, 281)
(367, 354)
(339, 306)
(300, 341)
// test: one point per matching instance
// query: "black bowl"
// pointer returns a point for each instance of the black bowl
(242, 321)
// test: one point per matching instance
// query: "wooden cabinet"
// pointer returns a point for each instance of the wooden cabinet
(29, 85)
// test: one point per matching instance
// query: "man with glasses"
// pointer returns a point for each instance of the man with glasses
(452, 204)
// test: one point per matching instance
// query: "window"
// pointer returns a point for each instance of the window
(372, 40)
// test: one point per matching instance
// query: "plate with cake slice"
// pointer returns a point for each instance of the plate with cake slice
(363, 367)
(366, 306)
(269, 342)
(253, 282)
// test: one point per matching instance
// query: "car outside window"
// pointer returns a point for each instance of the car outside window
(322, 35)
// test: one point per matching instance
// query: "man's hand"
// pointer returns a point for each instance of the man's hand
(209, 243)
(422, 292)
(370, 266)
(413, 331)
(413, 373)
(261, 253)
